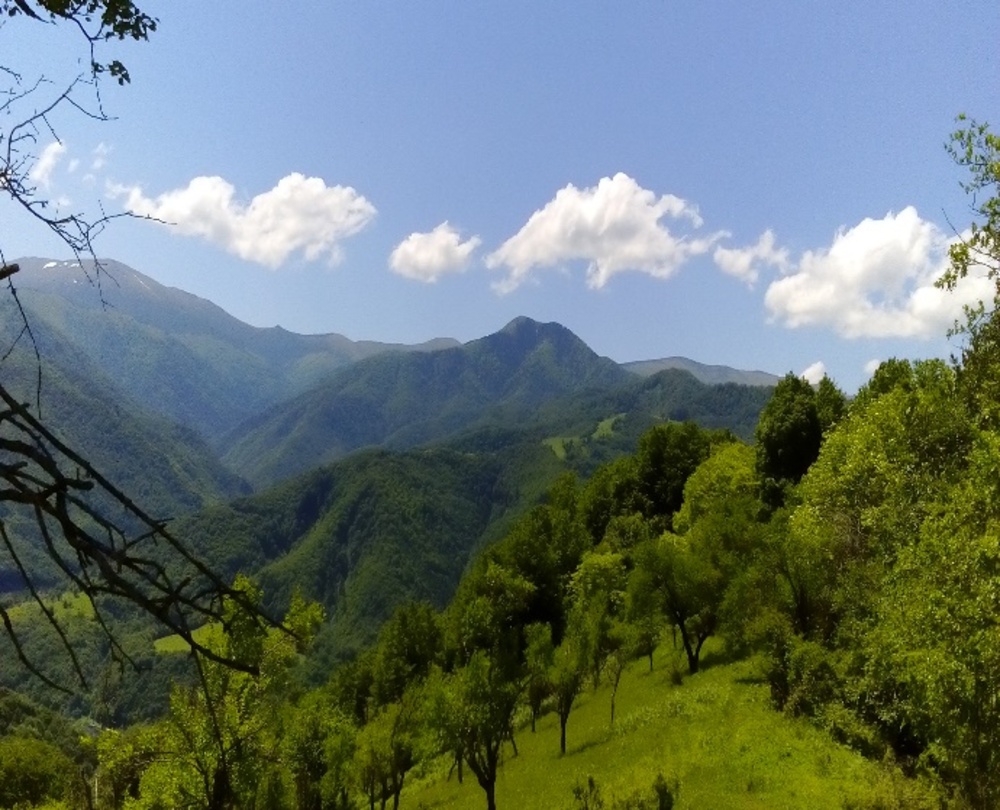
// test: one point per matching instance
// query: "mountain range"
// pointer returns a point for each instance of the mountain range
(361, 473)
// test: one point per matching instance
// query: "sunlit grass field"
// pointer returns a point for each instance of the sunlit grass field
(715, 738)
(175, 644)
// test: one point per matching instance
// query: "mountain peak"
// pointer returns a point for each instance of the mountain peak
(522, 323)
(525, 330)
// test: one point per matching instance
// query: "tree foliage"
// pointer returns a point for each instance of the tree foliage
(788, 436)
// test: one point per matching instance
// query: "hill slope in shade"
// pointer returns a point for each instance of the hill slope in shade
(179, 354)
(167, 469)
(373, 530)
(708, 374)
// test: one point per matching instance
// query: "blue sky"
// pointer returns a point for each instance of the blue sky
(758, 185)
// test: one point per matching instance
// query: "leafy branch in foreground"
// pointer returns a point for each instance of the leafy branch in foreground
(975, 148)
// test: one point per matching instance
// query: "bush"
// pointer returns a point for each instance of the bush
(32, 772)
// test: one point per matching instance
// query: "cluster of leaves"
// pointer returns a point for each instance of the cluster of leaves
(96, 20)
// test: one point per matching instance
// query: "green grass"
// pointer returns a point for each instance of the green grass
(175, 644)
(606, 427)
(716, 736)
(561, 445)
(65, 606)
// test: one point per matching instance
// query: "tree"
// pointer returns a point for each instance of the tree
(33, 772)
(386, 751)
(622, 645)
(97, 21)
(831, 404)
(667, 455)
(317, 751)
(933, 651)
(567, 674)
(974, 147)
(539, 655)
(471, 711)
(688, 585)
(977, 252)
(214, 748)
(880, 473)
(408, 644)
(788, 436)
(598, 597)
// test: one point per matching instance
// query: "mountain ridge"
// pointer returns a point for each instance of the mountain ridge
(709, 374)
(403, 400)
(178, 353)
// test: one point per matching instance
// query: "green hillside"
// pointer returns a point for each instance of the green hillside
(373, 531)
(165, 467)
(714, 739)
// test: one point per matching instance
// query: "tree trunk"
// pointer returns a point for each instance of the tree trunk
(692, 653)
(491, 799)
(562, 732)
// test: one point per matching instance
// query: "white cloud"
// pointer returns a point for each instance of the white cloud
(875, 280)
(745, 263)
(614, 226)
(41, 172)
(100, 153)
(814, 373)
(299, 214)
(428, 256)
(872, 366)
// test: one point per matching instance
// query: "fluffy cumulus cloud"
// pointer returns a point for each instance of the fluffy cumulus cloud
(746, 263)
(615, 227)
(428, 256)
(41, 171)
(299, 214)
(814, 373)
(875, 280)
(872, 366)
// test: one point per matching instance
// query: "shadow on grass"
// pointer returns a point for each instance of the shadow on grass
(573, 750)
(717, 657)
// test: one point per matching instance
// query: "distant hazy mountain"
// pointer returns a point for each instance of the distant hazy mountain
(710, 375)
(176, 353)
(403, 400)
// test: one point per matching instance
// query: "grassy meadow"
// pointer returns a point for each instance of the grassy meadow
(715, 739)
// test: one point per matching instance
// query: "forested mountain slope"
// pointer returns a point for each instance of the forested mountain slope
(165, 467)
(174, 352)
(401, 400)
(372, 531)
(528, 376)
